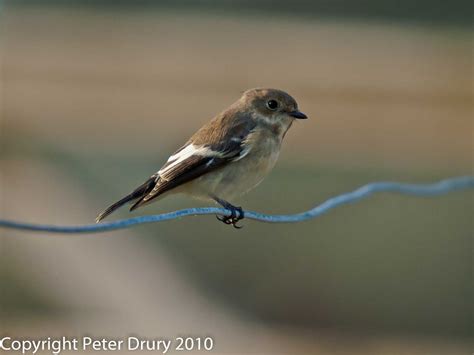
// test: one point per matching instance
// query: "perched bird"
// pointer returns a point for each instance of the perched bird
(226, 157)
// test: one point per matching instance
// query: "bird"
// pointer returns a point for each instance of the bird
(227, 157)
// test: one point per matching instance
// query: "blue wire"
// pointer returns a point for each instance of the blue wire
(423, 190)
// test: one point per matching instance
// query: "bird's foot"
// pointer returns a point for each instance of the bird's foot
(236, 214)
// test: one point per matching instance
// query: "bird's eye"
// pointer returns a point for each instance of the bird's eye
(272, 104)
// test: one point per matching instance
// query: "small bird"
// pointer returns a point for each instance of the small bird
(228, 156)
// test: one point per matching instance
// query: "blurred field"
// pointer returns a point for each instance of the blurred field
(93, 102)
(104, 71)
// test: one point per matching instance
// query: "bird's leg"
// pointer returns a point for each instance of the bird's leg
(236, 213)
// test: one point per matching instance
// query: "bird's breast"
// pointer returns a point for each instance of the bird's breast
(244, 174)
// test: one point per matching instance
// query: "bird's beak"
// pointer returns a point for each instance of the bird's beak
(298, 114)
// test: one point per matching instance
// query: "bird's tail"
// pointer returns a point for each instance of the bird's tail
(139, 192)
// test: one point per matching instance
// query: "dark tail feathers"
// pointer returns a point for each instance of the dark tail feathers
(139, 192)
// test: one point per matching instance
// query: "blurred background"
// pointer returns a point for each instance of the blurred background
(96, 94)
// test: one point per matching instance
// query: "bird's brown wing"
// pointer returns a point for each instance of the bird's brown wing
(187, 170)
(199, 157)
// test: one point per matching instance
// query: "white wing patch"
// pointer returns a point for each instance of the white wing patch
(200, 150)
(184, 154)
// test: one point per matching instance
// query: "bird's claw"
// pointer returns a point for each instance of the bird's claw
(233, 218)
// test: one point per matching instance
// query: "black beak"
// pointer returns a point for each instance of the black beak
(298, 114)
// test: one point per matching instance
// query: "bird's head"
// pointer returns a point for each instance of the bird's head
(271, 106)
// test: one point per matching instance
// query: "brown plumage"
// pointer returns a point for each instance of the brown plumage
(227, 156)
